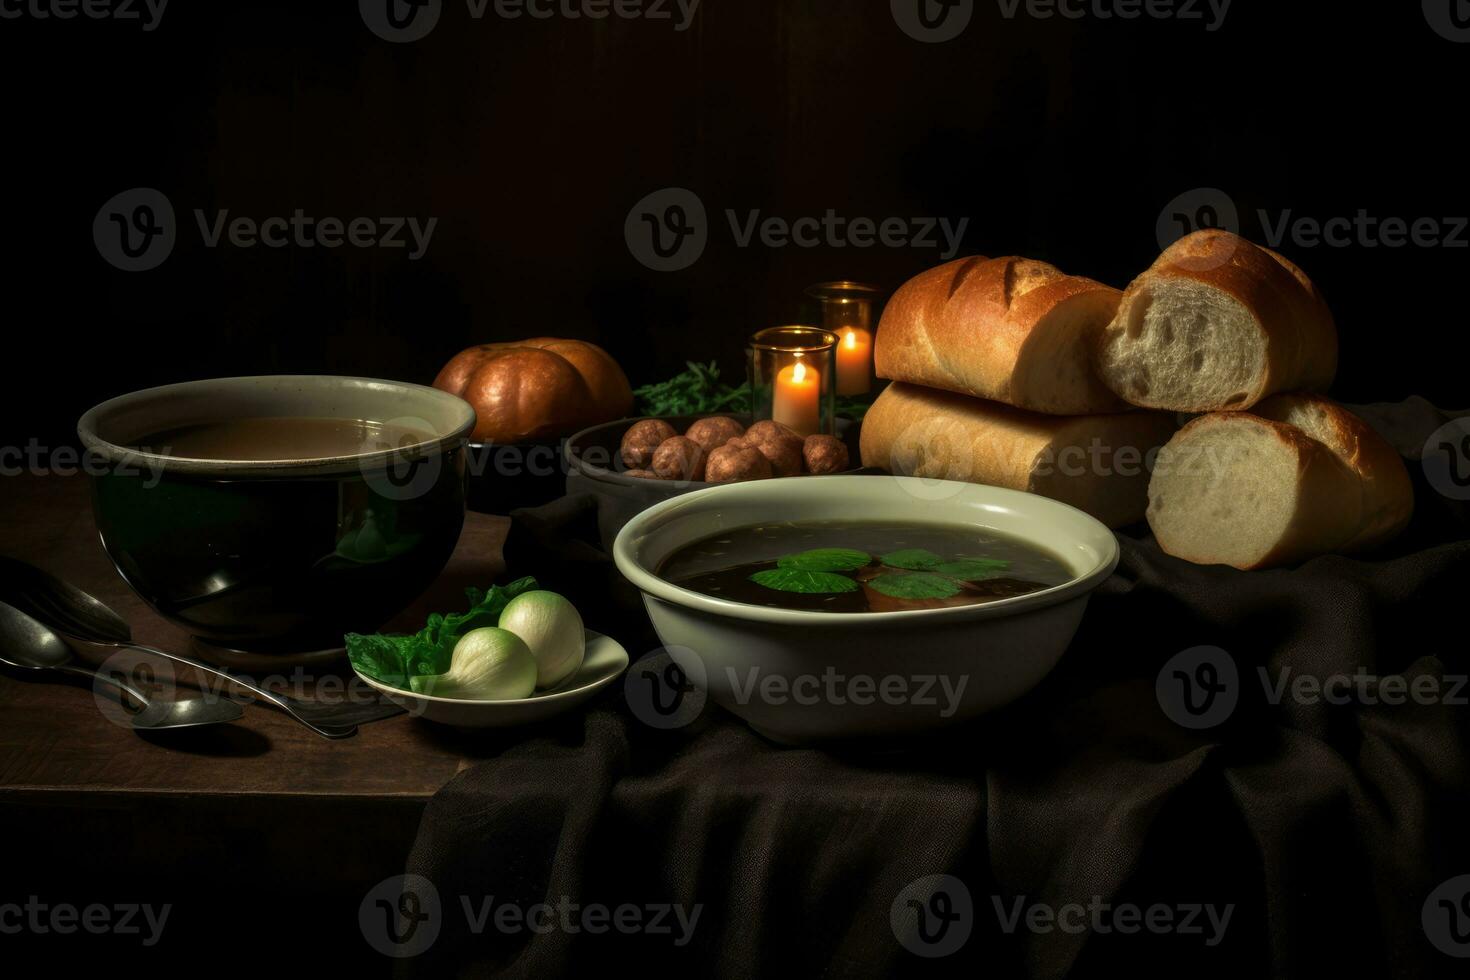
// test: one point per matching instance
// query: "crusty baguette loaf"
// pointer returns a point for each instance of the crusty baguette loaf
(1097, 463)
(1387, 494)
(1217, 323)
(1011, 330)
(1232, 488)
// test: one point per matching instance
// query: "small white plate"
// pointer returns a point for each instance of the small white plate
(604, 663)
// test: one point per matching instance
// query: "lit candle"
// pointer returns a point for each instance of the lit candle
(854, 361)
(798, 398)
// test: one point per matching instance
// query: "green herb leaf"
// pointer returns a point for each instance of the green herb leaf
(915, 559)
(395, 660)
(826, 560)
(809, 583)
(915, 585)
(972, 569)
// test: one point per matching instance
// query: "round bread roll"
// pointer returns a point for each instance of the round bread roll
(534, 389)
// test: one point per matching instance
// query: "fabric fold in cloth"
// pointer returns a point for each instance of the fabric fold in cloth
(1299, 836)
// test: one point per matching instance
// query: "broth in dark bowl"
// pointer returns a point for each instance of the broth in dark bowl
(853, 567)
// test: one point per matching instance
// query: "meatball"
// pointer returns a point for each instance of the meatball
(825, 454)
(679, 458)
(641, 439)
(711, 433)
(779, 444)
(736, 464)
(769, 428)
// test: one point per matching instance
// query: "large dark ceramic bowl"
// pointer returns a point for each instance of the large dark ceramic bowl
(279, 555)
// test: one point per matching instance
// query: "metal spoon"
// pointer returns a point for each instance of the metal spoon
(81, 616)
(30, 645)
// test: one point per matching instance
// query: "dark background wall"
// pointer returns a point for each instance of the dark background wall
(530, 141)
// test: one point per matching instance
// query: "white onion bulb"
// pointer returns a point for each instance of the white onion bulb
(488, 664)
(552, 628)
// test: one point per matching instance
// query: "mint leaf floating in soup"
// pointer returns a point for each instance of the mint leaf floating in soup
(915, 585)
(826, 560)
(808, 583)
(915, 559)
(973, 569)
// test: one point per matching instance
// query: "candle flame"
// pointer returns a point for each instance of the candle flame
(851, 340)
(798, 375)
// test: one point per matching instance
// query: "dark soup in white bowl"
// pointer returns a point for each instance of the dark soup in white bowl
(863, 566)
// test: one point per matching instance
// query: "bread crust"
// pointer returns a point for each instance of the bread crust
(1008, 329)
(1294, 321)
(918, 431)
(1388, 493)
(1326, 508)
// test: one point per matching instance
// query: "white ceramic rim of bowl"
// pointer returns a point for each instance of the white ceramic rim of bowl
(631, 537)
(549, 697)
(460, 416)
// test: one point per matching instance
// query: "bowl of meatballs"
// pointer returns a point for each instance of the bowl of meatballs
(632, 464)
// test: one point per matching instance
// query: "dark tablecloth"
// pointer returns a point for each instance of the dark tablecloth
(1320, 828)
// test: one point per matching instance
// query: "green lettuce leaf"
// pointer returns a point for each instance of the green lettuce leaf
(396, 660)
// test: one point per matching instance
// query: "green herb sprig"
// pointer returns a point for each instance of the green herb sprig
(698, 390)
(695, 391)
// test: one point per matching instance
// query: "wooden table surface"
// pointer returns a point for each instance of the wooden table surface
(55, 741)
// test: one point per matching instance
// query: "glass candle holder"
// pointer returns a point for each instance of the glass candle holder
(847, 312)
(793, 377)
